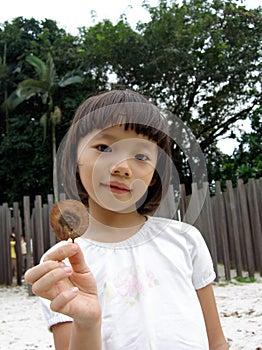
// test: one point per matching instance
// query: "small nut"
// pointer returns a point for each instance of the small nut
(69, 219)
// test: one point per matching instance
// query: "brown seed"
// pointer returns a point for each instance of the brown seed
(69, 219)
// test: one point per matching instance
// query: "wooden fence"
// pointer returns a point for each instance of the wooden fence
(229, 221)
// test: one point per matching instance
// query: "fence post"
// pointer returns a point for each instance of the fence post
(210, 226)
(183, 200)
(28, 238)
(38, 227)
(235, 229)
(168, 207)
(247, 230)
(5, 258)
(255, 215)
(27, 231)
(52, 237)
(7, 233)
(222, 230)
(18, 250)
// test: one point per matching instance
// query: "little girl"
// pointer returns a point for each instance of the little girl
(131, 281)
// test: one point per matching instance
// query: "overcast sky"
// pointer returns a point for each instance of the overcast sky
(77, 13)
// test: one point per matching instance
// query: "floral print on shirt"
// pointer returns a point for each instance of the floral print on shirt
(129, 284)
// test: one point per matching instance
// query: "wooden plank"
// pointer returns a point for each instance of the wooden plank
(28, 238)
(38, 226)
(183, 200)
(210, 226)
(231, 246)
(45, 217)
(255, 221)
(223, 230)
(193, 208)
(247, 229)
(52, 236)
(235, 228)
(34, 237)
(167, 208)
(18, 250)
(3, 246)
(216, 223)
(241, 230)
(7, 254)
(27, 231)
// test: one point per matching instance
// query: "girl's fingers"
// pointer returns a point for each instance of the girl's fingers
(72, 252)
(60, 302)
(53, 282)
(77, 261)
(62, 252)
(52, 276)
(38, 271)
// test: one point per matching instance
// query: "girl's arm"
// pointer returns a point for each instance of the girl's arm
(62, 334)
(215, 334)
(67, 333)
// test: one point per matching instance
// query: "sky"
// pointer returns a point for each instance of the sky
(71, 15)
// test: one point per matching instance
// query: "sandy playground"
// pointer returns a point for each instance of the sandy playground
(22, 325)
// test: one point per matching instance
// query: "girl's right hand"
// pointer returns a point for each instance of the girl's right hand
(71, 289)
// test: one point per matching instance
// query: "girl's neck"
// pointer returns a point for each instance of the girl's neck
(109, 226)
(113, 218)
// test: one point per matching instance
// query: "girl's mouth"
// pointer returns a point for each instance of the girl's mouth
(117, 187)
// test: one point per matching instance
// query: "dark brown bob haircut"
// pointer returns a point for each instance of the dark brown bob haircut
(132, 111)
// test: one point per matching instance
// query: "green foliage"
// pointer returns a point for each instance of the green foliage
(246, 279)
(246, 161)
(25, 162)
(45, 86)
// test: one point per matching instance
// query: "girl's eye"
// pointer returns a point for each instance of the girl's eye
(141, 156)
(104, 148)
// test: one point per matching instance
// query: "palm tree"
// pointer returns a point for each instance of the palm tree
(45, 86)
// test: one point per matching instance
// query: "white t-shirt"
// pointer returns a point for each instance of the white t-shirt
(147, 287)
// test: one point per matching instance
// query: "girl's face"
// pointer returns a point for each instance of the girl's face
(116, 167)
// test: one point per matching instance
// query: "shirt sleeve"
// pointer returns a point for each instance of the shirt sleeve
(52, 317)
(203, 269)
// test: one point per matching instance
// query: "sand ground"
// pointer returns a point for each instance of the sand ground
(22, 325)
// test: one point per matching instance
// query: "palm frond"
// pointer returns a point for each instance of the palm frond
(65, 81)
(52, 76)
(14, 100)
(39, 65)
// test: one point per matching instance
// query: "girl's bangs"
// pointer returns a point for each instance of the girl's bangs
(143, 118)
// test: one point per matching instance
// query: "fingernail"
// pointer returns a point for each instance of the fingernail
(74, 246)
(67, 269)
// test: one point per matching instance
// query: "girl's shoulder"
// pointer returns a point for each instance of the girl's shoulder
(177, 232)
(173, 226)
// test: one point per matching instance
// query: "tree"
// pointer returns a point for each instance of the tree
(45, 86)
(4, 78)
(248, 155)
(23, 37)
(246, 160)
(25, 161)
(200, 60)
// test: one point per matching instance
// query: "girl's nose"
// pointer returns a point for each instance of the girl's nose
(122, 169)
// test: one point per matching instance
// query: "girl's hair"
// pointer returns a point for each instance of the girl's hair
(132, 111)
